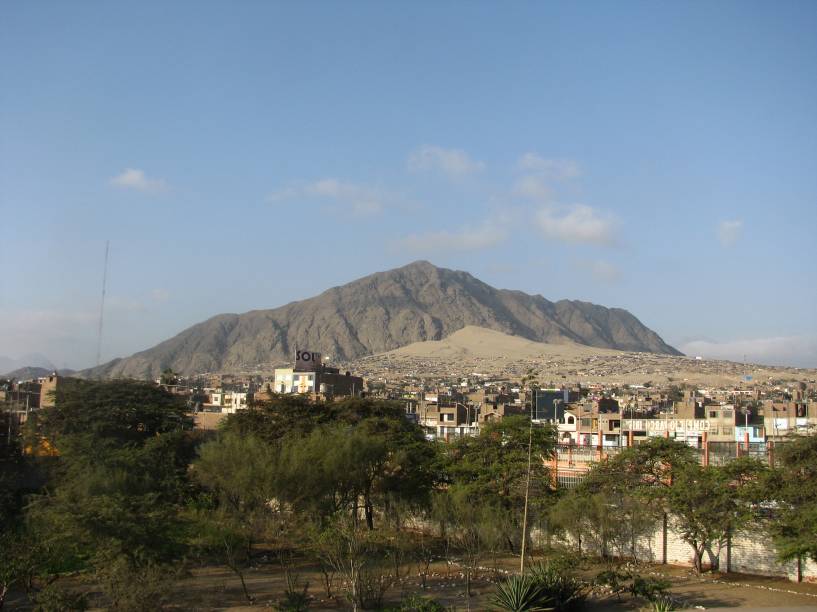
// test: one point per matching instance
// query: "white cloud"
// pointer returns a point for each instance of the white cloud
(454, 163)
(533, 187)
(361, 199)
(729, 232)
(467, 239)
(554, 169)
(798, 351)
(576, 223)
(133, 178)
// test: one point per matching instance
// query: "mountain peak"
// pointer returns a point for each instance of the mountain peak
(382, 312)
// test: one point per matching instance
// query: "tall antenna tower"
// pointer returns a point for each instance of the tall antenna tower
(102, 304)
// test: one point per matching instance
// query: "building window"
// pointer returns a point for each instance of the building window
(713, 414)
(727, 431)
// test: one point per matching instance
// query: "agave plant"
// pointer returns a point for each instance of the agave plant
(521, 594)
(663, 603)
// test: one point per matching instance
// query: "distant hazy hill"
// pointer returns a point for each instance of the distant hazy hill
(30, 360)
(381, 312)
(472, 341)
(29, 372)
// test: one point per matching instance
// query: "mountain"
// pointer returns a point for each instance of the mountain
(31, 372)
(33, 360)
(381, 312)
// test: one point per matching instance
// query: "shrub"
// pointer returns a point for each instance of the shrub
(521, 594)
(295, 599)
(372, 585)
(663, 603)
(566, 592)
(57, 599)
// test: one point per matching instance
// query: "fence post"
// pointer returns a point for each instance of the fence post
(664, 540)
(706, 449)
(746, 441)
(770, 451)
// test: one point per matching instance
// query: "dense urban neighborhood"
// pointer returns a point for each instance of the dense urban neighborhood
(584, 440)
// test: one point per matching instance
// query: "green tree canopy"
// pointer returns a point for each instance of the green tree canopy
(793, 485)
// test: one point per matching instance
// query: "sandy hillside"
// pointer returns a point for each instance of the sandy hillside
(479, 342)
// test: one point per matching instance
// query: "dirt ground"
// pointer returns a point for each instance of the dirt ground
(217, 588)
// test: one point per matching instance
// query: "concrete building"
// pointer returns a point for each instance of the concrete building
(324, 381)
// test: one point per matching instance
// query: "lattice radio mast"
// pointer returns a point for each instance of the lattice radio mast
(102, 305)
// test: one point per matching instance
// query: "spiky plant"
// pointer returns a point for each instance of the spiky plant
(663, 603)
(520, 594)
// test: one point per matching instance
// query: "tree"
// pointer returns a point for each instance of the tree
(603, 509)
(712, 503)
(493, 467)
(115, 496)
(663, 476)
(239, 472)
(793, 485)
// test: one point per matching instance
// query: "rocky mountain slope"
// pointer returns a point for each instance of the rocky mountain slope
(381, 312)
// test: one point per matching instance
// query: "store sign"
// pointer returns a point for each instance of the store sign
(684, 425)
(307, 361)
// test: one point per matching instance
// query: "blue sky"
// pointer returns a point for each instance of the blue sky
(656, 156)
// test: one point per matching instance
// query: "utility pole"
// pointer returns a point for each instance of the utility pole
(527, 494)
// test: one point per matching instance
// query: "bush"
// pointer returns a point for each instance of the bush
(654, 590)
(520, 594)
(649, 588)
(372, 585)
(56, 599)
(295, 599)
(135, 589)
(663, 603)
(566, 592)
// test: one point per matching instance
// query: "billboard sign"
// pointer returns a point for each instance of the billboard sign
(307, 361)
(662, 425)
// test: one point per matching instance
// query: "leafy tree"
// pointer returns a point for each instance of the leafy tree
(341, 467)
(493, 466)
(97, 416)
(239, 472)
(356, 454)
(620, 500)
(710, 503)
(794, 487)
(603, 509)
(169, 377)
(120, 481)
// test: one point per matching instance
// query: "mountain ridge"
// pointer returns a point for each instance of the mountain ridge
(381, 312)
